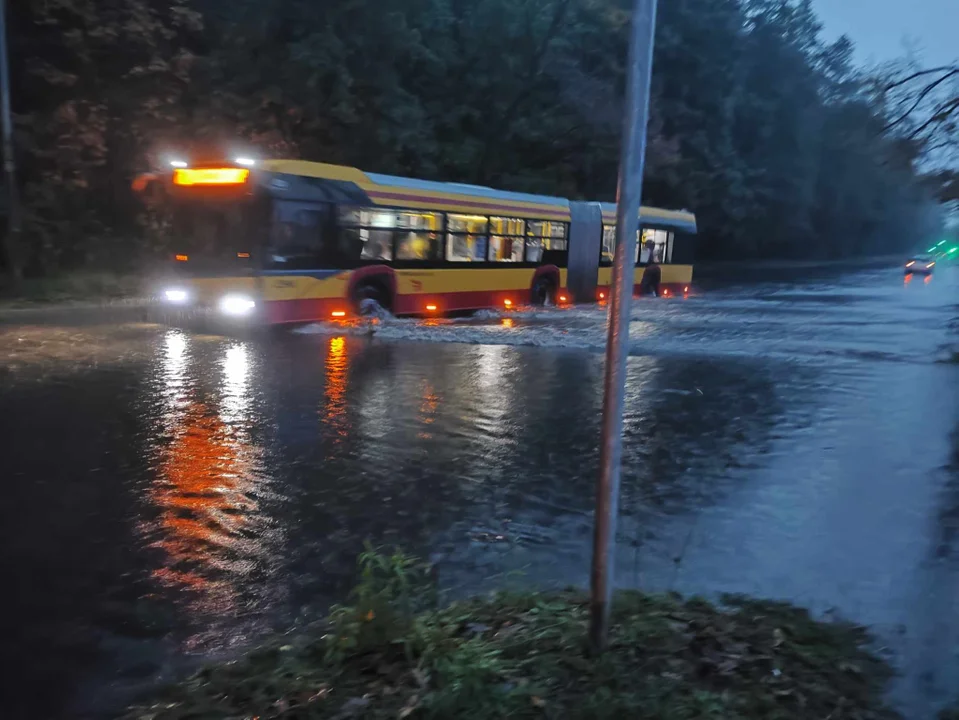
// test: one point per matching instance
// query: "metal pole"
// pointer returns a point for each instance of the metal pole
(629, 193)
(9, 164)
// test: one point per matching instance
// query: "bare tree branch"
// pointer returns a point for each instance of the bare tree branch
(918, 74)
(926, 91)
(940, 115)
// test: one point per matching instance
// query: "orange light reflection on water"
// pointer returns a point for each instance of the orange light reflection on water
(204, 492)
(208, 522)
(337, 367)
(427, 414)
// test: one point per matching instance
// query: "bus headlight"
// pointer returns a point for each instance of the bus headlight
(236, 305)
(176, 296)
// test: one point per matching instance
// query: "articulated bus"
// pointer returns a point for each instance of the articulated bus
(290, 241)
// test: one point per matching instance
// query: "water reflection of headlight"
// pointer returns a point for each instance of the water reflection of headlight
(174, 367)
(175, 344)
(236, 396)
(237, 305)
(236, 365)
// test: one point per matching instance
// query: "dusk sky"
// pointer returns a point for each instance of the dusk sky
(884, 29)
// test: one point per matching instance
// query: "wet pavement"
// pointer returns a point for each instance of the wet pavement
(172, 496)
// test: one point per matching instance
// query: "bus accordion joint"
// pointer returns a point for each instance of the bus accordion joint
(187, 177)
(181, 258)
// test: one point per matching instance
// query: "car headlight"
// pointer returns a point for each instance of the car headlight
(176, 296)
(237, 305)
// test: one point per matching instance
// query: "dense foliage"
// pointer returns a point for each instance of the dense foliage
(770, 135)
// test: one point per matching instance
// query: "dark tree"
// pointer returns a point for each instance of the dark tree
(775, 139)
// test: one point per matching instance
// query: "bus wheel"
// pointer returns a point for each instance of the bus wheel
(370, 300)
(543, 291)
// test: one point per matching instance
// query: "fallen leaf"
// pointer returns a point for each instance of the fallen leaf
(537, 701)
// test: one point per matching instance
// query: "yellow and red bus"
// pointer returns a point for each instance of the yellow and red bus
(290, 241)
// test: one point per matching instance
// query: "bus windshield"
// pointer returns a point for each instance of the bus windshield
(221, 236)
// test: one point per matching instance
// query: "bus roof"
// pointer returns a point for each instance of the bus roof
(395, 191)
(681, 220)
(429, 195)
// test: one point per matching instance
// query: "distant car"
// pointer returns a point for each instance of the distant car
(920, 265)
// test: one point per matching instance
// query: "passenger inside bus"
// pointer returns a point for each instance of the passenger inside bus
(418, 246)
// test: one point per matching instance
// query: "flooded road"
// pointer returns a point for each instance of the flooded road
(171, 496)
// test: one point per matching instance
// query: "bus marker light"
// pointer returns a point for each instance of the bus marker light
(338, 314)
(508, 303)
(665, 293)
(602, 296)
(243, 255)
(431, 308)
(562, 298)
(176, 296)
(181, 258)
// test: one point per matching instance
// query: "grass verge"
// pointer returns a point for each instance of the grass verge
(523, 656)
(74, 287)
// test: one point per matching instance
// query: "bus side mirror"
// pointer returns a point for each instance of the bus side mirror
(148, 187)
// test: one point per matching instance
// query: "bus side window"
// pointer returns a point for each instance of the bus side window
(417, 236)
(609, 244)
(542, 236)
(506, 239)
(654, 246)
(296, 240)
(466, 238)
(644, 247)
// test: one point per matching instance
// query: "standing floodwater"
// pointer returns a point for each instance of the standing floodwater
(173, 496)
